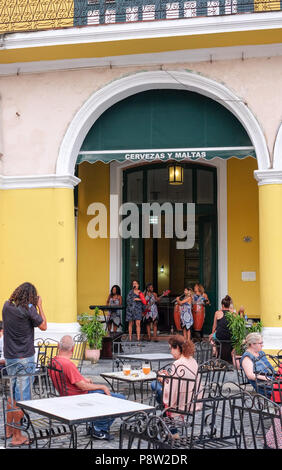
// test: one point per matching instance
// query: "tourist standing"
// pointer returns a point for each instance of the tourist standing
(21, 314)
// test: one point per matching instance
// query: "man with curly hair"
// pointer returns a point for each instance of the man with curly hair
(21, 314)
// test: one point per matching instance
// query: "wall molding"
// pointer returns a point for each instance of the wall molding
(143, 30)
(270, 176)
(38, 181)
(277, 153)
(147, 59)
(272, 338)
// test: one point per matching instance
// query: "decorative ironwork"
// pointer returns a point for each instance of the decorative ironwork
(34, 15)
(146, 428)
(260, 421)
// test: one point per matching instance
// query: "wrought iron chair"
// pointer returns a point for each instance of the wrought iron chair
(125, 347)
(45, 350)
(77, 358)
(276, 359)
(215, 372)
(224, 349)
(30, 380)
(203, 351)
(144, 431)
(176, 389)
(260, 422)
(56, 380)
(212, 425)
(209, 424)
(242, 379)
(35, 427)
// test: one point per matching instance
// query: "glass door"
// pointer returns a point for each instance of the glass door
(158, 260)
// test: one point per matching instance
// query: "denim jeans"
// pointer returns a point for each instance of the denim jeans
(157, 387)
(22, 386)
(105, 424)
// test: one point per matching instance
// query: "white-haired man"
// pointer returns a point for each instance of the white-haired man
(77, 384)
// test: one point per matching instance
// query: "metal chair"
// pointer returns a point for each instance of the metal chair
(125, 347)
(203, 351)
(277, 359)
(214, 372)
(179, 386)
(56, 379)
(212, 424)
(77, 358)
(144, 431)
(242, 379)
(45, 350)
(260, 422)
(224, 349)
(36, 428)
(209, 424)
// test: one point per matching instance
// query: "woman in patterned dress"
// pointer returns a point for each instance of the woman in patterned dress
(199, 298)
(114, 317)
(151, 316)
(186, 317)
(134, 310)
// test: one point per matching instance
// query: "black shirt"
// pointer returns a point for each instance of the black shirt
(18, 325)
(222, 329)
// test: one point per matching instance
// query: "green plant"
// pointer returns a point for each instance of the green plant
(91, 326)
(239, 331)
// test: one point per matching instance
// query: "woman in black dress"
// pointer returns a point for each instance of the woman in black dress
(220, 331)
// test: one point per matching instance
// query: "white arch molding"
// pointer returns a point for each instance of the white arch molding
(122, 88)
(115, 91)
(277, 154)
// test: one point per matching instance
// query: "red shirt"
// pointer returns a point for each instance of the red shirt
(72, 375)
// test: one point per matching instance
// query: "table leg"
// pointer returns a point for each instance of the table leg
(73, 436)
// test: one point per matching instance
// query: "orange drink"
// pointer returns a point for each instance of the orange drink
(146, 368)
(126, 369)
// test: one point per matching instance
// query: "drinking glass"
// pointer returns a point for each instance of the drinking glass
(146, 367)
(126, 369)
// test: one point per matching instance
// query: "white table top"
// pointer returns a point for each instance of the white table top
(147, 357)
(77, 409)
(135, 376)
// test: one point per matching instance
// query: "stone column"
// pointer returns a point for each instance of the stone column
(270, 241)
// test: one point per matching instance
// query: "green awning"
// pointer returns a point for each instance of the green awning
(165, 155)
(166, 124)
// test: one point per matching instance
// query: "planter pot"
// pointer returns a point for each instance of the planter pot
(92, 355)
(236, 360)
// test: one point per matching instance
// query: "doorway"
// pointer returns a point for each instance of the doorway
(158, 260)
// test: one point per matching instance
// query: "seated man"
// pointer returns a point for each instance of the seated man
(77, 384)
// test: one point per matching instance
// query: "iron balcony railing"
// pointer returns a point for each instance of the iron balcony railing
(33, 15)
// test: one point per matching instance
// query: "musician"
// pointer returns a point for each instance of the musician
(114, 317)
(134, 309)
(200, 298)
(186, 317)
(151, 315)
(200, 294)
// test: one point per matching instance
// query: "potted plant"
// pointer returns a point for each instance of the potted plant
(239, 330)
(91, 326)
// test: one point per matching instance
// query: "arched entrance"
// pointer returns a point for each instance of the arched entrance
(121, 134)
(154, 128)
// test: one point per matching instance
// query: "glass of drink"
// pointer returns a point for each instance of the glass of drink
(146, 367)
(126, 369)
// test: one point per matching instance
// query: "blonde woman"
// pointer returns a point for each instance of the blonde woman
(255, 363)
